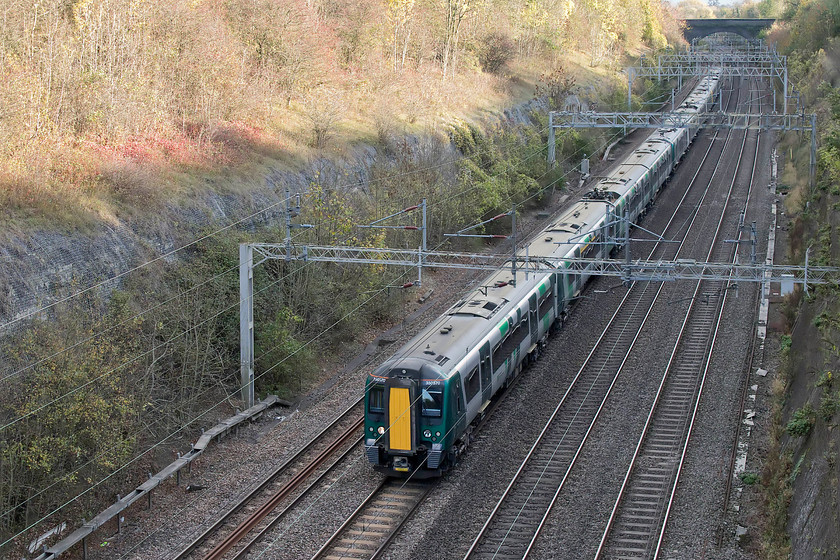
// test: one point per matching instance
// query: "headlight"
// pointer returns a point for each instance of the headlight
(427, 434)
(437, 434)
(380, 430)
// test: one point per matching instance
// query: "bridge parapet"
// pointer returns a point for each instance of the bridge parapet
(749, 28)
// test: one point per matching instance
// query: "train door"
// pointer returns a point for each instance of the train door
(458, 405)
(611, 223)
(486, 372)
(532, 317)
(401, 393)
(561, 295)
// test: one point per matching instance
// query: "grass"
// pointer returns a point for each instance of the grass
(775, 477)
(102, 175)
(749, 478)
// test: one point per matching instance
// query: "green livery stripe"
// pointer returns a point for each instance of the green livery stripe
(543, 288)
(503, 327)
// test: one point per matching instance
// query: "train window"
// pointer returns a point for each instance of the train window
(498, 357)
(376, 400)
(547, 303)
(432, 402)
(472, 384)
(511, 343)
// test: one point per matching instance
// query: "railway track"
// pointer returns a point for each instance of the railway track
(249, 520)
(366, 533)
(252, 513)
(515, 523)
(637, 523)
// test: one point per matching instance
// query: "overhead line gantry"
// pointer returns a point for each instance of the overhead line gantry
(756, 63)
(759, 62)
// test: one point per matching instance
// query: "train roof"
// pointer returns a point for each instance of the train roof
(442, 345)
(557, 239)
(446, 342)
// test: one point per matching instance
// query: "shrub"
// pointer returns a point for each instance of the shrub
(749, 478)
(828, 406)
(802, 421)
(785, 343)
(324, 114)
(825, 380)
(495, 51)
(556, 86)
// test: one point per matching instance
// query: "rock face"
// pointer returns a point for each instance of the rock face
(42, 266)
(814, 510)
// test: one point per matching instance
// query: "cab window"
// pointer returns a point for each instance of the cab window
(432, 402)
(376, 400)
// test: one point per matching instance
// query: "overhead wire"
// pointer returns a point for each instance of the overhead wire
(102, 283)
(217, 404)
(207, 390)
(90, 382)
(134, 359)
(143, 354)
(237, 222)
(80, 292)
(117, 325)
(283, 533)
(202, 414)
(365, 363)
(178, 430)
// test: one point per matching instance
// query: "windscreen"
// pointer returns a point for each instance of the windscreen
(432, 403)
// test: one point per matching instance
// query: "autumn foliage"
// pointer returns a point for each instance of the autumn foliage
(90, 87)
(109, 105)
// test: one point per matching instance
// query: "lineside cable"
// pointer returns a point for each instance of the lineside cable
(216, 232)
(272, 367)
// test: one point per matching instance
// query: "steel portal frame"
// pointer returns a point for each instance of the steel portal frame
(634, 270)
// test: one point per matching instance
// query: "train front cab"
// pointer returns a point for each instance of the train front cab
(406, 419)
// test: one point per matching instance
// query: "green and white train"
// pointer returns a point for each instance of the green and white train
(422, 404)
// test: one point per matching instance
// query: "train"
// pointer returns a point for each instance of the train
(423, 403)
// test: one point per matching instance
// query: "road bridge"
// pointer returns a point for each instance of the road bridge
(748, 28)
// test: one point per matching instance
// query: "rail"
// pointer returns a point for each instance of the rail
(544, 471)
(639, 517)
(145, 490)
(251, 521)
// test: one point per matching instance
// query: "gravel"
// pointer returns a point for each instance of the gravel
(444, 525)
(228, 469)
